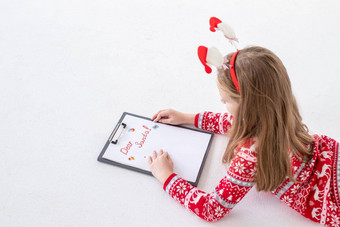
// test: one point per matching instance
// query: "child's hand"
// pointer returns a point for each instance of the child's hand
(170, 116)
(161, 165)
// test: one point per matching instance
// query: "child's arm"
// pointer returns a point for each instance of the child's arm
(170, 116)
(232, 188)
(214, 122)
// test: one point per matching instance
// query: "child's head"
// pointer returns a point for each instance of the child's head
(264, 108)
(261, 75)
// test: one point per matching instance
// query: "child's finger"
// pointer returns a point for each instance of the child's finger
(154, 155)
(165, 121)
(154, 116)
(170, 159)
(157, 116)
(161, 152)
(149, 160)
(162, 115)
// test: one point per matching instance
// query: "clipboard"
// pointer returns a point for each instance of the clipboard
(136, 137)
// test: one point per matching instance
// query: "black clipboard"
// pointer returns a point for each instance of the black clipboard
(114, 137)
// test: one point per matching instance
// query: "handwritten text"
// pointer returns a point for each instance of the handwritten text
(126, 149)
(145, 134)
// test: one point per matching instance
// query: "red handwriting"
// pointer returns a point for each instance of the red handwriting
(145, 134)
(127, 148)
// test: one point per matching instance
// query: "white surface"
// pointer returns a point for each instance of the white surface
(68, 69)
(143, 141)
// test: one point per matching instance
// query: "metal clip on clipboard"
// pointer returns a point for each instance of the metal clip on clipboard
(117, 132)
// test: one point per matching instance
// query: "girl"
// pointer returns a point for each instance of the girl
(269, 145)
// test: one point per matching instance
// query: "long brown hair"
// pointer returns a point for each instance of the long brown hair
(268, 111)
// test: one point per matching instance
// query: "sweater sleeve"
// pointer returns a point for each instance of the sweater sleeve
(211, 207)
(214, 122)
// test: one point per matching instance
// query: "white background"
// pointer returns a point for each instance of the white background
(69, 68)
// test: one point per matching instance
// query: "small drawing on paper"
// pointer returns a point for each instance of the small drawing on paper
(132, 158)
(131, 130)
(155, 127)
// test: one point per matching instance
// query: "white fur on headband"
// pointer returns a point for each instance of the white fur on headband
(227, 31)
(214, 57)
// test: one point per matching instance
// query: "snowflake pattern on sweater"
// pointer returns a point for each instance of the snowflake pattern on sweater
(315, 194)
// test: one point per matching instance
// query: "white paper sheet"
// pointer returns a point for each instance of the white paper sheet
(141, 137)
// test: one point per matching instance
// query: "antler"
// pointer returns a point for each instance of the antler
(217, 24)
(211, 56)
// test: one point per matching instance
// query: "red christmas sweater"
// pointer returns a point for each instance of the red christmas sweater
(315, 195)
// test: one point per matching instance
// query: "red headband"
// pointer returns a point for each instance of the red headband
(232, 70)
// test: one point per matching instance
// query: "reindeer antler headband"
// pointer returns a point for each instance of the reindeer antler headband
(212, 56)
